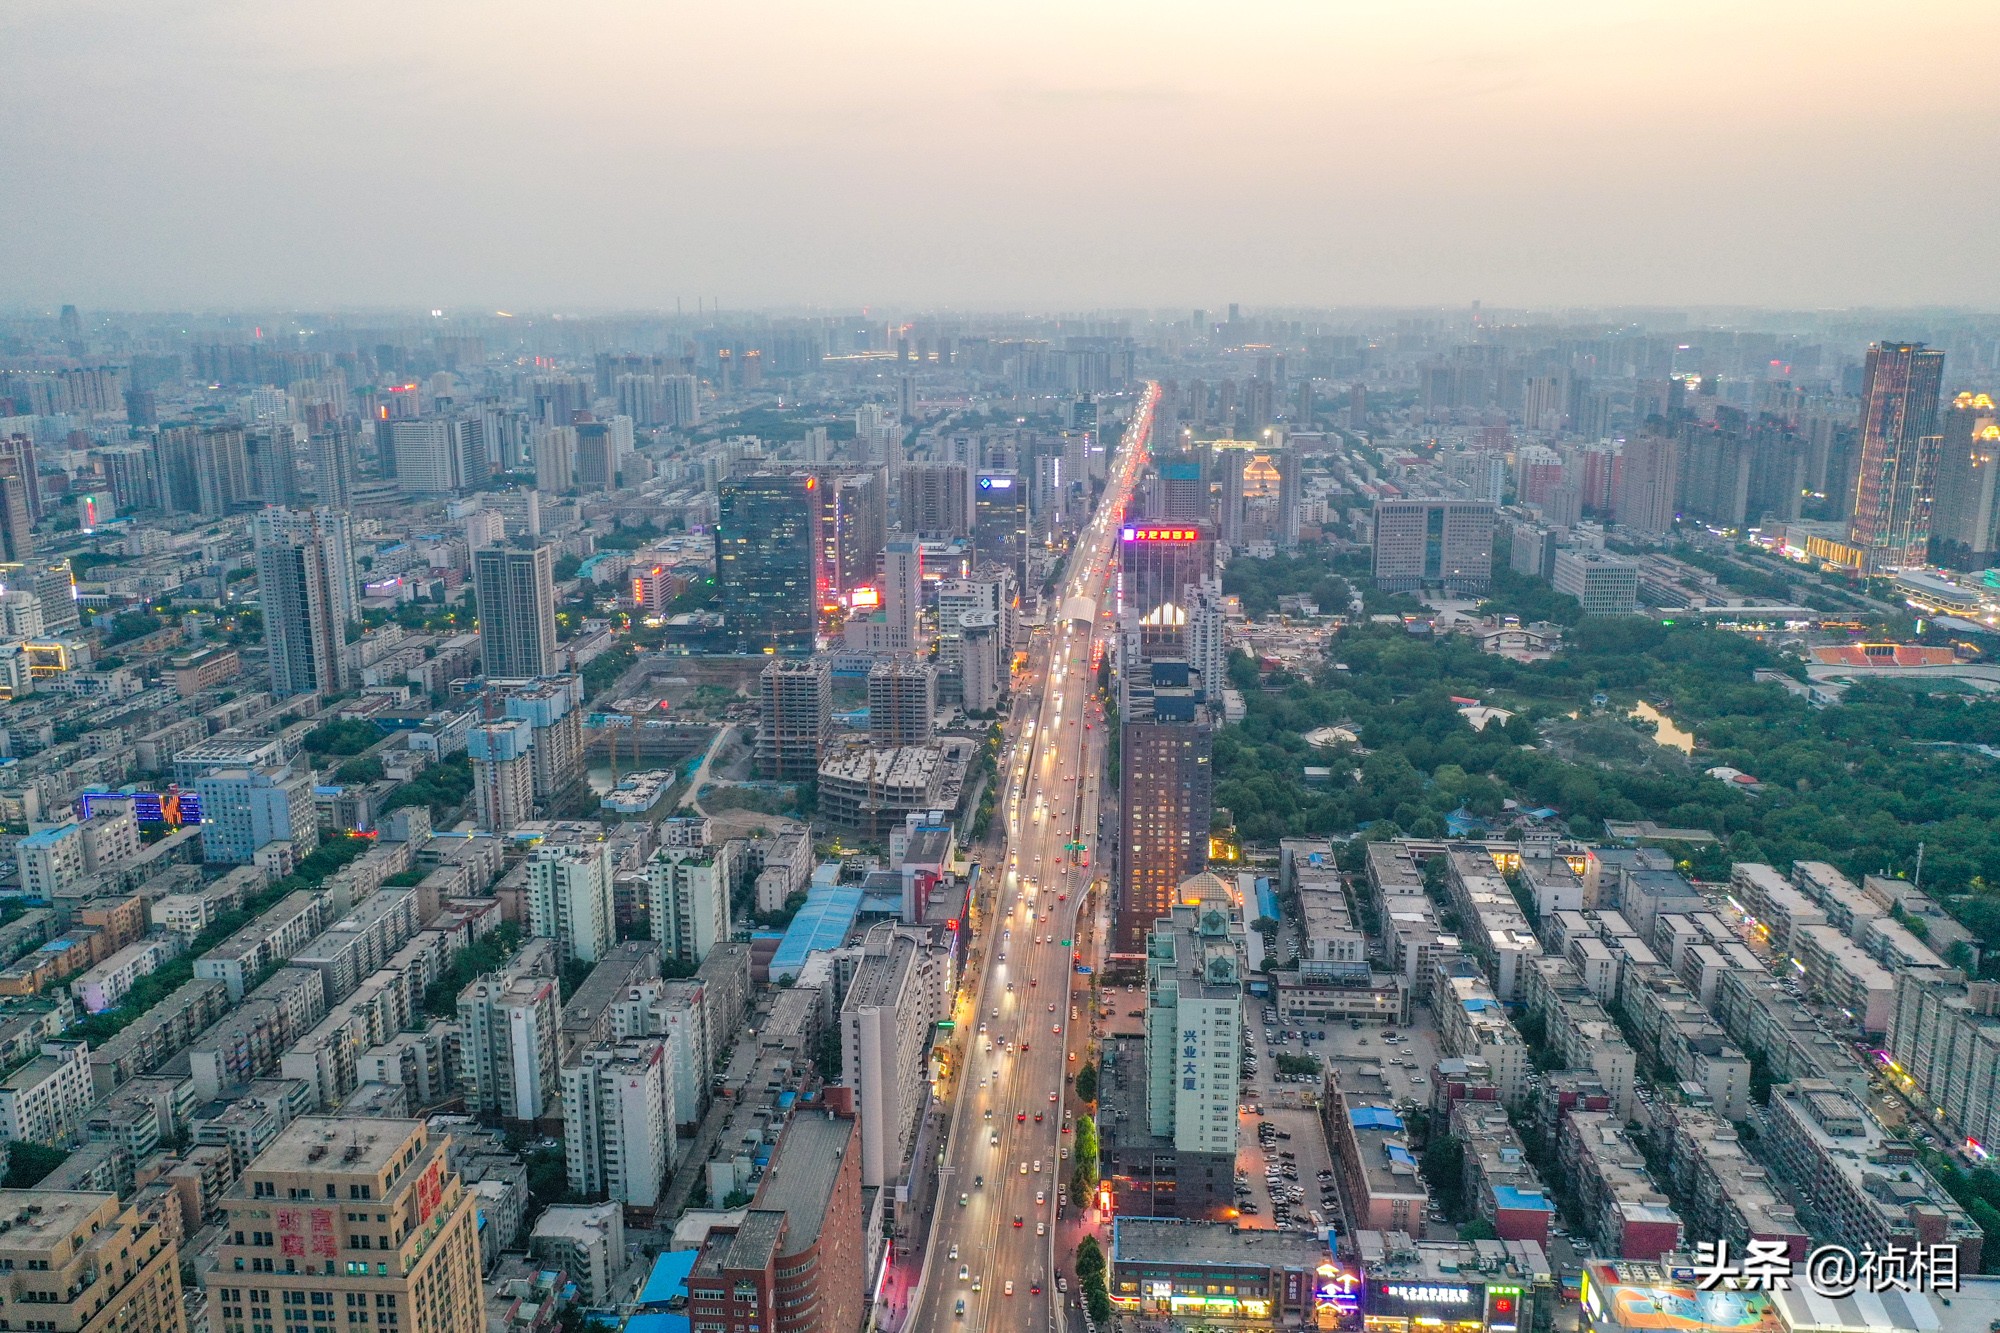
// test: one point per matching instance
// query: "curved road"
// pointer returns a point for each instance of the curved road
(1006, 1153)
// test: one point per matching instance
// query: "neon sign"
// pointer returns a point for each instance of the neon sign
(1154, 534)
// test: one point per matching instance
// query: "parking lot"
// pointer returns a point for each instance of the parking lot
(1287, 1109)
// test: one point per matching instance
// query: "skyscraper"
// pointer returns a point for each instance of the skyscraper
(293, 1230)
(1900, 445)
(516, 587)
(688, 899)
(503, 773)
(933, 500)
(1165, 794)
(1000, 522)
(1229, 465)
(1968, 499)
(768, 551)
(273, 463)
(334, 447)
(1157, 563)
(1291, 496)
(306, 585)
(1194, 1022)
(17, 537)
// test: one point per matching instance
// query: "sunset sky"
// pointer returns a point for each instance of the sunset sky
(590, 153)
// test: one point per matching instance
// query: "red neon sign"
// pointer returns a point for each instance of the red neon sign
(1159, 534)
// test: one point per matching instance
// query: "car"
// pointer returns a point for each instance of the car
(964, 1273)
(1024, 1168)
(978, 1182)
(977, 1282)
(1031, 981)
(960, 1311)
(1041, 1197)
(1038, 1117)
(1052, 1008)
(1057, 1029)
(1038, 1166)
(994, 1138)
(1010, 1286)
(1017, 1221)
(1052, 1096)
(964, 1199)
(1020, 1117)
(954, 1255)
(1041, 1229)
(989, 1110)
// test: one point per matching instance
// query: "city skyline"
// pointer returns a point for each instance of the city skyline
(627, 156)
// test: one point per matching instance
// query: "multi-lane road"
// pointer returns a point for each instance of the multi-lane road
(991, 1262)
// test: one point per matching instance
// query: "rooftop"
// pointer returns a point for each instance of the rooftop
(324, 1143)
(1161, 1240)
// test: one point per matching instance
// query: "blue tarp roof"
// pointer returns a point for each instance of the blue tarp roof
(668, 1280)
(1507, 1196)
(1477, 1003)
(658, 1323)
(1267, 899)
(1374, 1117)
(822, 923)
(1398, 1153)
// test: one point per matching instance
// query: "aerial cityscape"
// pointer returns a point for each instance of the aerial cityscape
(678, 717)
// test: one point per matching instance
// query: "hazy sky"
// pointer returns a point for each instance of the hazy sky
(591, 153)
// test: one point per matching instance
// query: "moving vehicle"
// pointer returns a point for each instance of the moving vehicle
(1010, 1286)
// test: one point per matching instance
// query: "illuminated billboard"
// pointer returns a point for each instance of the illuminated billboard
(1151, 533)
(1631, 1295)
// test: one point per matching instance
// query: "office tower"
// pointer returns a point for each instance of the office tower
(55, 589)
(507, 1027)
(334, 449)
(306, 586)
(569, 898)
(1603, 585)
(17, 535)
(1648, 476)
(555, 458)
(902, 701)
(1229, 465)
(597, 457)
(795, 718)
(1194, 1024)
(768, 551)
(796, 1262)
(273, 462)
(516, 588)
(433, 455)
(245, 808)
(552, 708)
(690, 888)
(903, 593)
(618, 1120)
(503, 773)
(326, 1187)
(1177, 492)
(1156, 565)
(83, 1262)
(1900, 445)
(1000, 522)
(933, 500)
(900, 993)
(1165, 793)
(1291, 496)
(1205, 643)
(1448, 543)
(1968, 501)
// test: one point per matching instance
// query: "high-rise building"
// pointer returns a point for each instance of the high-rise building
(335, 448)
(1000, 521)
(299, 1216)
(981, 666)
(853, 524)
(1166, 784)
(433, 455)
(988, 589)
(1291, 497)
(243, 809)
(1900, 444)
(17, 523)
(84, 1262)
(1648, 473)
(1229, 465)
(796, 1261)
(274, 463)
(618, 1120)
(1194, 1022)
(306, 586)
(1178, 491)
(503, 773)
(55, 588)
(1603, 584)
(508, 1023)
(570, 900)
(768, 551)
(552, 708)
(900, 992)
(1448, 543)
(1157, 563)
(555, 458)
(516, 587)
(902, 701)
(598, 460)
(895, 625)
(795, 718)
(1206, 644)
(689, 900)
(1968, 498)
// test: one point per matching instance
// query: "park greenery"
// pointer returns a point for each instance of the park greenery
(1860, 785)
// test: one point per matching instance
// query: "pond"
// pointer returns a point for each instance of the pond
(1666, 732)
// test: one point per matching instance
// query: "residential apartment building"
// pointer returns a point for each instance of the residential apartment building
(618, 1120)
(569, 898)
(690, 890)
(901, 990)
(85, 1263)
(507, 1025)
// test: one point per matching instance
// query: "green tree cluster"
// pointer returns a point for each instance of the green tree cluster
(1091, 1274)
